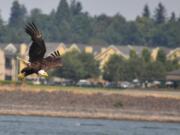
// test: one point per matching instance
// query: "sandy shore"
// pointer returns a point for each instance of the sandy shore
(95, 114)
(99, 105)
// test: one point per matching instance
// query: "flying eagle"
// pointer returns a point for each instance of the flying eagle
(37, 63)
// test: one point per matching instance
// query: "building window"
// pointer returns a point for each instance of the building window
(8, 63)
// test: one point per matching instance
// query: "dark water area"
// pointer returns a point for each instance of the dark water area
(30, 125)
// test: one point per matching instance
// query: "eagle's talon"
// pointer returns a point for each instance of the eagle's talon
(21, 76)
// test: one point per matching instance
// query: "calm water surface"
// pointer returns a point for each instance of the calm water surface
(26, 125)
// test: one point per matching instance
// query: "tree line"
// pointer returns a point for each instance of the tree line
(80, 65)
(69, 23)
(142, 67)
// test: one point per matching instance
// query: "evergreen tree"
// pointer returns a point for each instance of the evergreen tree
(160, 14)
(62, 13)
(116, 30)
(70, 24)
(173, 17)
(44, 22)
(18, 14)
(62, 21)
(75, 7)
(2, 30)
(1, 19)
(133, 34)
(36, 17)
(146, 55)
(100, 24)
(146, 11)
(161, 56)
(35, 13)
(81, 28)
(146, 28)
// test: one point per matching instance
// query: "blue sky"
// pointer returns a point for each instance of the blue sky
(128, 8)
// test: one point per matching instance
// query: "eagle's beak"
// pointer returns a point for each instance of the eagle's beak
(21, 76)
(45, 74)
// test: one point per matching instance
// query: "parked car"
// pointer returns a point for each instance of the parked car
(124, 85)
(83, 83)
(169, 84)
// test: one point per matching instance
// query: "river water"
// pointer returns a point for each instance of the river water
(30, 125)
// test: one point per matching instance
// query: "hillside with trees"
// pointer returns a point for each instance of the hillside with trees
(68, 23)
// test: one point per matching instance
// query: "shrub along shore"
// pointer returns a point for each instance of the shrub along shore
(149, 105)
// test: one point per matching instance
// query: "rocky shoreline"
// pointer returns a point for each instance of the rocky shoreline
(91, 105)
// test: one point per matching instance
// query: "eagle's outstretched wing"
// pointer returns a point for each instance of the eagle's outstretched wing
(37, 48)
(52, 61)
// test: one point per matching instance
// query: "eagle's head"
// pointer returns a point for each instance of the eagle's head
(42, 73)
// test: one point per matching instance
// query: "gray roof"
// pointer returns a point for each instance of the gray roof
(3, 45)
(50, 47)
(175, 72)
